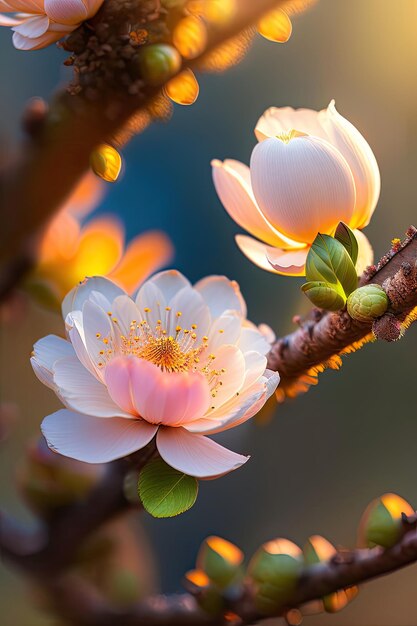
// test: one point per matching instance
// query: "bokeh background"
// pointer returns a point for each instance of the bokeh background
(324, 456)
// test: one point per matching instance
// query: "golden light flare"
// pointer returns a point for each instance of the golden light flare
(190, 37)
(228, 54)
(106, 162)
(275, 26)
(183, 89)
(198, 578)
(214, 11)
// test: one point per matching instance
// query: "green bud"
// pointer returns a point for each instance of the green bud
(367, 303)
(381, 524)
(158, 63)
(276, 568)
(207, 595)
(324, 295)
(220, 560)
(318, 550)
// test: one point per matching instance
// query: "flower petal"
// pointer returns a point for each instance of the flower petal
(70, 12)
(230, 362)
(143, 256)
(33, 27)
(170, 398)
(255, 251)
(45, 352)
(169, 283)
(365, 252)
(288, 262)
(196, 455)
(361, 160)
(251, 339)
(75, 299)
(221, 294)
(80, 391)
(303, 186)
(233, 186)
(92, 439)
(25, 43)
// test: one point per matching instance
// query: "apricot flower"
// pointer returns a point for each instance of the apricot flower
(178, 363)
(309, 171)
(39, 23)
(69, 252)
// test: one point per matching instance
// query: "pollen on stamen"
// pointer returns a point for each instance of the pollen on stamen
(98, 335)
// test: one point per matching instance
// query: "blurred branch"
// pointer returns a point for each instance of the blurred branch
(57, 150)
(49, 551)
(323, 337)
(79, 603)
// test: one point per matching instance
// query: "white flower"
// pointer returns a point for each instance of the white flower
(179, 362)
(309, 171)
(39, 23)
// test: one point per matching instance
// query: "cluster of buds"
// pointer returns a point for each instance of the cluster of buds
(332, 281)
(277, 569)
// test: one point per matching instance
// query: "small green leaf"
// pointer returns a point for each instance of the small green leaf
(324, 295)
(164, 491)
(329, 261)
(347, 238)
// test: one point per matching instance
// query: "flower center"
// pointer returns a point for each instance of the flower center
(181, 351)
(286, 136)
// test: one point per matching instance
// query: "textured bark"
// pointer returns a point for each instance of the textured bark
(323, 337)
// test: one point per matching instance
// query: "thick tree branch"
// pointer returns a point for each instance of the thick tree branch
(323, 337)
(57, 152)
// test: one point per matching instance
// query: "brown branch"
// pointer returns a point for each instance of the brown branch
(324, 336)
(57, 152)
(81, 604)
(49, 551)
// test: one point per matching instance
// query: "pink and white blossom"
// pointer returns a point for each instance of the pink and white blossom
(178, 363)
(39, 23)
(309, 171)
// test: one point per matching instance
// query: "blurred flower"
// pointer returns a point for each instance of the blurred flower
(69, 252)
(179, 362)
(309, 171)
(39, 23)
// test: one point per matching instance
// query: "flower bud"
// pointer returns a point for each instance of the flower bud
(106, 163)
(382, 524)
(318, 550)
(220, 560)
(208, 596)
(367, 303)
(158, 62)
(276, 568)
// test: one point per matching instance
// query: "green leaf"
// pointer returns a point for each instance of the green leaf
(164, 491)
(347, 238)
(329, 261)
(324, 295)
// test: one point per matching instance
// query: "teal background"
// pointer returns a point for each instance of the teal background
(324, 456)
